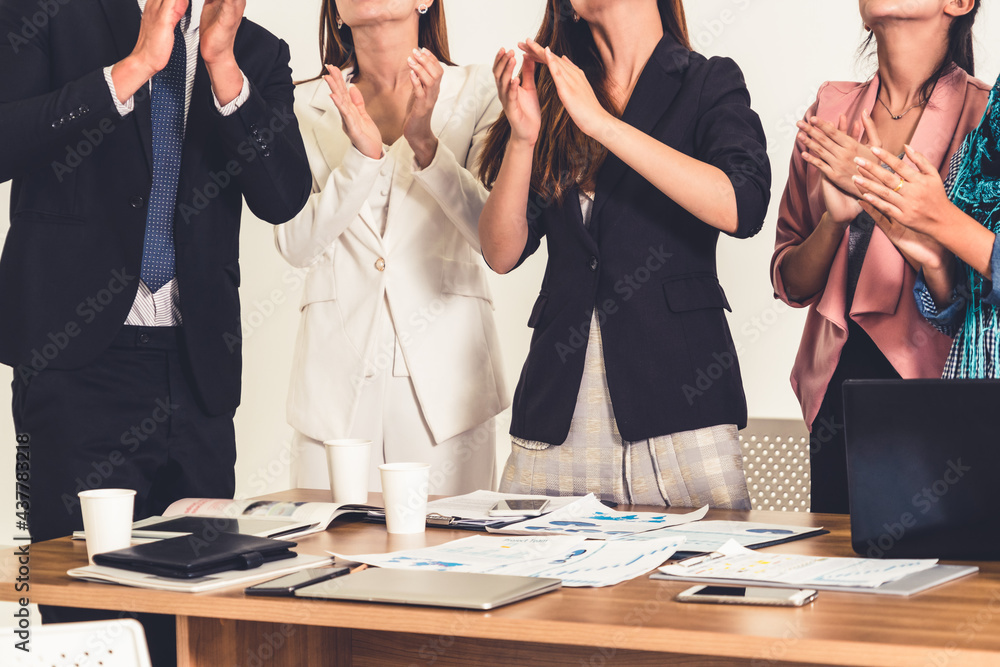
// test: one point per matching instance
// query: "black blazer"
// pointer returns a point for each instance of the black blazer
(82, 176)
(648, 267)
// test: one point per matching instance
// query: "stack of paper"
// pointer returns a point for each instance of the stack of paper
(590, 518)
(575, 560)
(737, 565)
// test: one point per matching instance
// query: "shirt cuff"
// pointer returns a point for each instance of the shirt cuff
(947, 321)
(129, 104)
(234, 106)
(993, 297)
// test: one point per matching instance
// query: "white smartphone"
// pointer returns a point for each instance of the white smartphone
(773, 597)
(521, 507)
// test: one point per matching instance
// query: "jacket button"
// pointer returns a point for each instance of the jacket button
(143, 338)
(137, 202)
(593, 263)
(380, 264)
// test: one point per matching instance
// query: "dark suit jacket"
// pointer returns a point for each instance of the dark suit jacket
(82, 175)
(648, 267)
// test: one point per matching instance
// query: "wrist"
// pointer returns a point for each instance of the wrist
(424, 151)
(131, 74)
(602, 129)
(835, 224)
(518, 145)
(226, 78)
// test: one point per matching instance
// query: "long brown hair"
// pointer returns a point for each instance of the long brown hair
(565, 156)
(336, 45)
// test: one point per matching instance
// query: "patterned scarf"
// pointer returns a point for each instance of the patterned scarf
(977, 193)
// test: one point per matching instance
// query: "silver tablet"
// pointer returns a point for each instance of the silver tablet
(464, 590)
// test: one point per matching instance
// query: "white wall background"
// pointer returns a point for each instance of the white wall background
(786, 48)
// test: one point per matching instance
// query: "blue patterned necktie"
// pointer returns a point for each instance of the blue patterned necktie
(168, 93)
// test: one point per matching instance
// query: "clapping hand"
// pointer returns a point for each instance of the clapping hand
(913, 196)
(518, 96)
(425, 75)
(156, 33)
(220, 19)
(832, 151)
(358, 125)
(572, 86)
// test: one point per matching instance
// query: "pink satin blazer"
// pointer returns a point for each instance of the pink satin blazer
(883, 304)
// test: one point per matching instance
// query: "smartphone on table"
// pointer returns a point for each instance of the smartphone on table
(520, 507)
(288, 584)
(753, 595)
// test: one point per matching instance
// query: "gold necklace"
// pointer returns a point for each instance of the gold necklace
(900, 116)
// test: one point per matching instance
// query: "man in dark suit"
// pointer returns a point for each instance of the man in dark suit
(132, 130)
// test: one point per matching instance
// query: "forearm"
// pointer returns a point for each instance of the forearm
(940, 281)
(129, 76)
(968, 240)
(49, 127)
(459, 194)
(806, 267)
(227, 80)
(329, 212)
(503, 225)
(703, 190)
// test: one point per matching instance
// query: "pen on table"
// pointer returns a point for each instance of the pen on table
(697, 560)
(359, 568)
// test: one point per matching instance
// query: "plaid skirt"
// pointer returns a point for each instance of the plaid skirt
(688, 469)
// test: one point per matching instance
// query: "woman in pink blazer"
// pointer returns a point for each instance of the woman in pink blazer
(831, 257)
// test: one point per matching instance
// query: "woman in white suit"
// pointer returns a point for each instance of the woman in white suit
(397, 342)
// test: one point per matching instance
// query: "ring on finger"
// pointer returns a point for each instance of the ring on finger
(900, 186)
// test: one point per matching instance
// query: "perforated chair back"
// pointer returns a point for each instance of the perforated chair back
(112, 643)
(776, 464)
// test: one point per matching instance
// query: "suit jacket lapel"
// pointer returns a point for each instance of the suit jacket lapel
(655, 90)
(124, 18)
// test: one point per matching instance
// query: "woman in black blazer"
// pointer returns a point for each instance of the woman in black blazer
(630, 153)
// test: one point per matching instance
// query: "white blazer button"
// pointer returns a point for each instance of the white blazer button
(380, 264)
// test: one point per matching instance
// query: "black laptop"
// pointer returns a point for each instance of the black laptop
(923, 466)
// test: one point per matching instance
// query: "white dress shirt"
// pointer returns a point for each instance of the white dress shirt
(162, 309)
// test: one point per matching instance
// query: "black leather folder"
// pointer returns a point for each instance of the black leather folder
(192, 556)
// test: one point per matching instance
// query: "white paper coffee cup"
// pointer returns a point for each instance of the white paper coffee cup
(404, 489)
(347, 462)
(107, 519)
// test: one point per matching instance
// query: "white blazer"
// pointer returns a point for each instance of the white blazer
(427, 266)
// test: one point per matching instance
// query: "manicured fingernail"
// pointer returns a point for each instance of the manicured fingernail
(861, 162)
(858, 180)
(411, 60)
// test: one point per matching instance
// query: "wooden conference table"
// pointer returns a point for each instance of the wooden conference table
(634, 623)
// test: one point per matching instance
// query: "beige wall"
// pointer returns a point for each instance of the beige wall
(786, 48)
